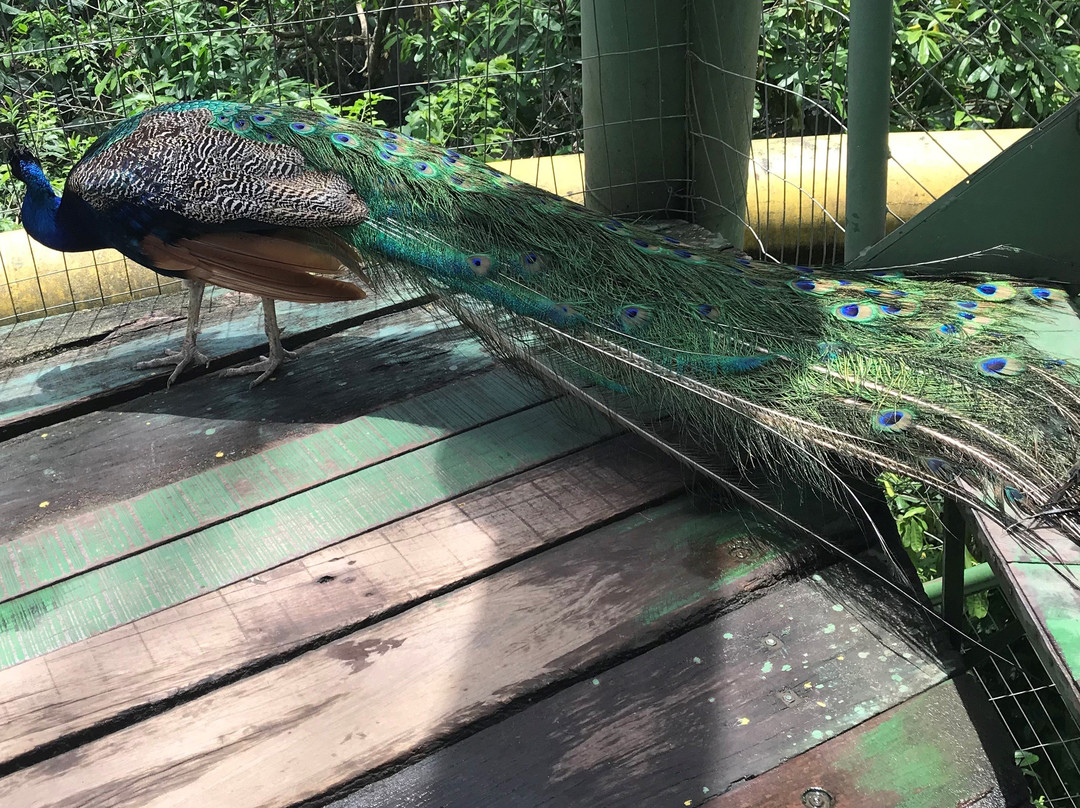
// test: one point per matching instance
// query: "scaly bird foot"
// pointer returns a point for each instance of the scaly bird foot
(276, 353)
(187, 354)
(264, 367)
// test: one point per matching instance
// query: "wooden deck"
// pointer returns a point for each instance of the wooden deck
(396, 575)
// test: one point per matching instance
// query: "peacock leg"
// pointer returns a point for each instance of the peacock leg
(277, 353)
(188, 352)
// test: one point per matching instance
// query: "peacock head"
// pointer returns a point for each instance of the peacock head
(25, 166)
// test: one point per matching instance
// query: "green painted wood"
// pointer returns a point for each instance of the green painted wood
(120, 452)
(1045, 597)
(265, 537)
(390, 689)
(945, 747)
(145, 665)
(91, 539)
(689, 719)
(722, 62)
(634, 105)
(46, 387)
(1055, 601)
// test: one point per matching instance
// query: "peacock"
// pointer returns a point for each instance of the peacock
(706, 352)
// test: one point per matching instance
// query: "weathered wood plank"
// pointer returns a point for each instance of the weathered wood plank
(161, 438)
(40, 391)
(385, 691)
(202, 560)
(31, 339)
(941, 749)
(239, 627)
(136, 523)
(1045, 597)
(690, 718)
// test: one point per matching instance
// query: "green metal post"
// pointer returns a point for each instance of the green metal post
(633, 69)
(869, 95)
(724, 36)
(952, 564)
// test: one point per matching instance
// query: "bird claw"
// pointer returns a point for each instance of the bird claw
(187, 354)
(264, 367)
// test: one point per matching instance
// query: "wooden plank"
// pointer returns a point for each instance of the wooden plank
(41, 391)
(33, 339)
(139, 667)
(1044, 594)
(717, 706)
(300, 729)
(122, 528)
(202, 560)
(942, 748)
(114, 454)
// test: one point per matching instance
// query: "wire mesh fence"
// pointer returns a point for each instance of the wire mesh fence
(1046, 739)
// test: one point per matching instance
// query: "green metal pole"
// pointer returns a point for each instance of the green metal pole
(633, 70)
(976, 579)
(952, 564)
(724, 36)
(869, 95)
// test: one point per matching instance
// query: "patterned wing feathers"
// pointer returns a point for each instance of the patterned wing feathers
(268, 266)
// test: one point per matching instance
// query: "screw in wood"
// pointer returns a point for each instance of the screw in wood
(817, 798)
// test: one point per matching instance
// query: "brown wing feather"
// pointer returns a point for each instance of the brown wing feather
(266, 265)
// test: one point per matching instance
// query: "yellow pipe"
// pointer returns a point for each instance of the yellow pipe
(796, 185)
(795, 197)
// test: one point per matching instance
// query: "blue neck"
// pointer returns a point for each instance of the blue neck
(49, 224)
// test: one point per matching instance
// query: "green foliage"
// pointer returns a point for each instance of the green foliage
(956, 64)
(68, 68)
(917, 511)
(532, 96)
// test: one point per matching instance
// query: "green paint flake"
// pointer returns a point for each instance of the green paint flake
(767, 667)
(896, 677)
(785, 668)
(829, 629)
(817, 734)
(210, 431)
(728, 635)
(837, 607)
